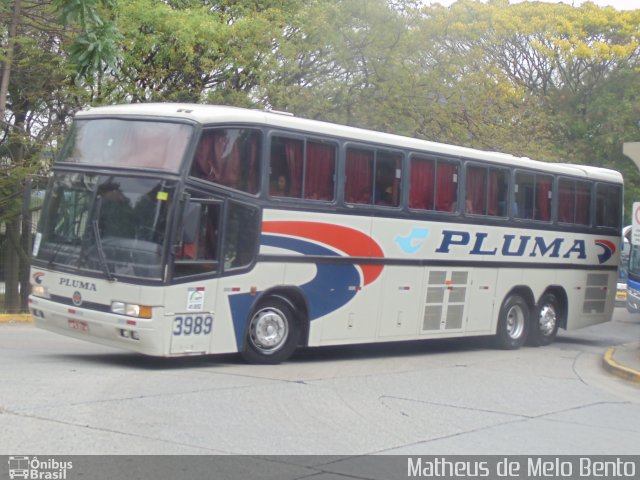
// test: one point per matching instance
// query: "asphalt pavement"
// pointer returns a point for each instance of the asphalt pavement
(620, 360)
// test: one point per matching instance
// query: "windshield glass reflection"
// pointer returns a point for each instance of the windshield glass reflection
(114, 225)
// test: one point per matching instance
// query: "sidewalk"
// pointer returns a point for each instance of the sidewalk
(15, 317)
(623, 361)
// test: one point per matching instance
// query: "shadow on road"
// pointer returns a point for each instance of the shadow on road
(303, 355)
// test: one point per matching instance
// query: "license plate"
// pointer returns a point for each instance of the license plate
(621, 295)
(79, 325)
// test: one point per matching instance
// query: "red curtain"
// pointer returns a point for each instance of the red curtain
(476, 181)
(397, 175)
(252, 180)
(359, 172)
(543, 200)
(218, 159)
(566, 201)
(320, 172)
(446, 186)
(497, 192)
(293, 155)
(583, 203)
(421, 189)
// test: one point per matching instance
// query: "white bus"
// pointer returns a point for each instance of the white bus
(189, 229)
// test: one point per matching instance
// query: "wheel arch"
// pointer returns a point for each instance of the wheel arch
(525, 292)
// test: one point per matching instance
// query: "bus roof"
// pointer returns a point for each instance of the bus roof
(215, 114)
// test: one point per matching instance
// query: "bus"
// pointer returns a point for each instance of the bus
(623, 267)
(178, 229)
(633, 275)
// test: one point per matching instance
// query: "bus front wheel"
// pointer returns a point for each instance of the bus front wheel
(544, 327)
(272, 334)
(513, 323)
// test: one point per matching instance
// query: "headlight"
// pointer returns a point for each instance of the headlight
(131, 309)
(39, 291)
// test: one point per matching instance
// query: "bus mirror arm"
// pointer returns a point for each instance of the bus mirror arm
(178, 243)
(188, 226)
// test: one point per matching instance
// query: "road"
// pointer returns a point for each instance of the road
(65, 397)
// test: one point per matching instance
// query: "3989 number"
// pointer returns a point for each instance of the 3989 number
(192, 325)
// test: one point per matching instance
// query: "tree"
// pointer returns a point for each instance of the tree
(193, 51)
(40, 96)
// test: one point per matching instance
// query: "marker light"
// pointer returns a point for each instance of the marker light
(131, 309)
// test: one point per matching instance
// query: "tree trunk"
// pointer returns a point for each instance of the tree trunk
(12, 268)
(8, 58)
(25, 246)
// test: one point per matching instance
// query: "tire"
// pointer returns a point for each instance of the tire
(513, 323)
(544, 325)
(272, 333)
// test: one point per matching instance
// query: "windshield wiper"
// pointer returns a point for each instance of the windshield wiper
(96, 234)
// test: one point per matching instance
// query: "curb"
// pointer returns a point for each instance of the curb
(15, 317)
(609, 364)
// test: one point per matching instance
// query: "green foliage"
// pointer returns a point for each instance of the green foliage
(193, 51)
(95, 46)
(547, 81)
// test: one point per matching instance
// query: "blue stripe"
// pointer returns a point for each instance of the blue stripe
(325, 293)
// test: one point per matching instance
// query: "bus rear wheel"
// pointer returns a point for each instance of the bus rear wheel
(513, 323)
(272, 334)
(544, 327)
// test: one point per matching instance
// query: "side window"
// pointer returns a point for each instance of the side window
(286, 164)
(320, 171)
(373, 177)
(386, 190)
(359, 176)
(433, 184)
(608, 205)
(574, 201)
(533, 196)
(487, 191)
(302, 169)
(242, 234)
(229, 157)
(197, 250)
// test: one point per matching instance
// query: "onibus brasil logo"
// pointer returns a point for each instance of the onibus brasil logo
(38, 469)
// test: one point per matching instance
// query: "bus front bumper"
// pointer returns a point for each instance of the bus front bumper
(119, 331)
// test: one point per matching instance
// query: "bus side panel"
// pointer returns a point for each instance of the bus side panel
(237, 295)
(400, 310)
(190, 317)
(482, 306)
(592, 299)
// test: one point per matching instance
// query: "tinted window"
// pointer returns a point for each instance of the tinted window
(487, 191)
(608, 205)
(373, 177)
(533, 196)
(574, 201)
(302, 169)
(127, 143)
(229, 157)
(433, 184)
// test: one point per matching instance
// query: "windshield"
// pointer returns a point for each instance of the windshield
(110, 224)
(634, 261)
(127, 143)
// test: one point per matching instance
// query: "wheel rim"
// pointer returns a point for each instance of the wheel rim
(269, 330)
(515, 322)
(547, 320)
